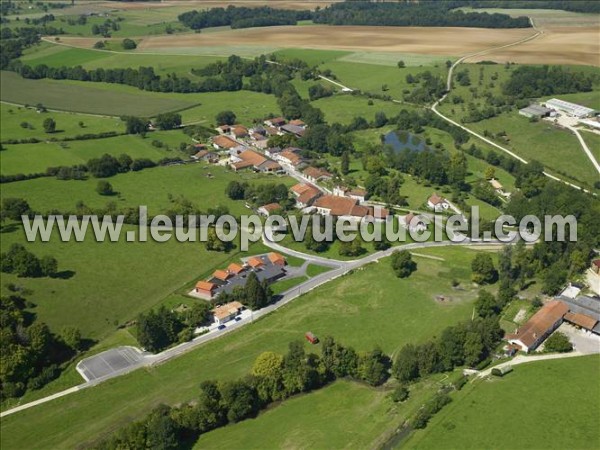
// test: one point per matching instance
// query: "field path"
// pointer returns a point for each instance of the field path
(538, 32)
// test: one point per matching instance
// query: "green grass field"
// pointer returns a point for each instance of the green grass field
(372, 77)
(557, 149)
(342, 108)
(593, 142)
(370, 307)
(67, 123)
(546, 404)
(88, 97)
(33, 158)
(311, 56)
(60, 55)
(150, 187)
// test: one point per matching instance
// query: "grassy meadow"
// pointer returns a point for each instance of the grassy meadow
(367, 308)
(34, 158)
(88, 97)
(545, 404)
(153, 187)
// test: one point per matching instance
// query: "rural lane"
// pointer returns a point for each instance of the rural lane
(344, 267)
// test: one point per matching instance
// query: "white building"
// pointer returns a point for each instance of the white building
(437, 203)
(571, 109)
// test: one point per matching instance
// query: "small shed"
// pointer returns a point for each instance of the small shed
(311, 338)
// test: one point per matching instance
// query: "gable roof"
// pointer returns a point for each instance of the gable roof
(222, 275)
(582, 320)
(541, 322)
(338, 206)
(255, 262)
(436, 199)
(270, 207)
(277, 121)
(226, 310)
(235, 268)
(239, 131)
(205, 286)
(224, 142)
(290, 156)
(276, 258)
(316, 173)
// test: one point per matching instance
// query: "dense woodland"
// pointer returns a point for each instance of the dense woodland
(421, 14)
(32, 355)
(540, 81)
(242, 17)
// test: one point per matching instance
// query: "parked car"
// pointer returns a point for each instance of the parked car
(221, 327)
(238, 318)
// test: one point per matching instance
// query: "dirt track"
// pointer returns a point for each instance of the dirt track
(560, 45)
(434, 41)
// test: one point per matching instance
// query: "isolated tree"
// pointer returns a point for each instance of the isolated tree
(225, 118)
(49, 125)
(71, 336)
(558, 342)
(403, 264)
(128, 44)
(401, 64)
(104, 188)
(483, 270)
(135, 125)
(345, 163)
(490, 172)
(406, 365)
(14, 208)
(48, 266)
(168, 121)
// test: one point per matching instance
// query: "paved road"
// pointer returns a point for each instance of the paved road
(340, 268)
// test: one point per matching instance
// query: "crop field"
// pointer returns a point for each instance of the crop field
(61, 55)
(428, 41)
(150, 187)
(546, 18)
(576, 45)
(68, 124)
(87, 97)
(545, 398)
(363, 310)
(34, 158)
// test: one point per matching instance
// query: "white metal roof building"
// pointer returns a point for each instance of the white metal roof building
(572, 109)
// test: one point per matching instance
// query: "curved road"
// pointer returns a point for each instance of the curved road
(341, 268)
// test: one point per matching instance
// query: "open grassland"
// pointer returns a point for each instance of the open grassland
(87, 97)
(34, 158)
(248, 106)
(67, 124)
(370, 307)
(342, 108)
(107, 284)
(593, 142)
(342, 415)
(415, 40)
(311, 56)
(186, 5)
(378, 79)
(556, 148)
(545, 404)
(150, 187)
(54, 55)
(391, 59)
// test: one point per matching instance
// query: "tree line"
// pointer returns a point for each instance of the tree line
(534, 81)
(242, 17)
(584, 6)
(422, 14)
(273, 377)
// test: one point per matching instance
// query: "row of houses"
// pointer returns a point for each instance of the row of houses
(269, 267)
